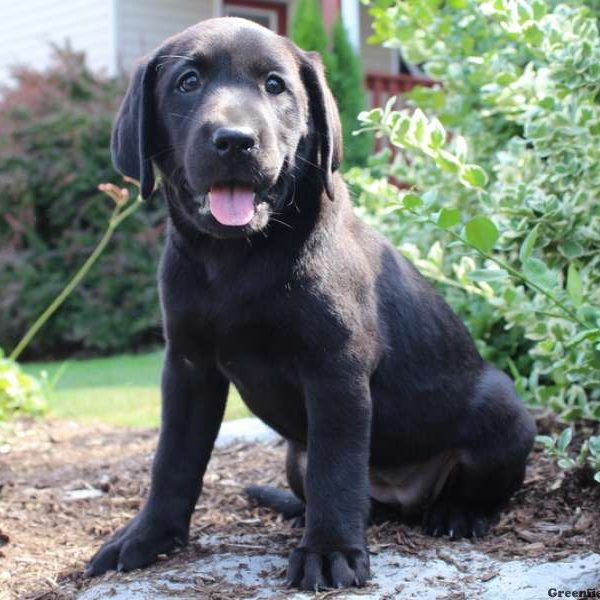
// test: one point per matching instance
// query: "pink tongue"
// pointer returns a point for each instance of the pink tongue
(231, 205)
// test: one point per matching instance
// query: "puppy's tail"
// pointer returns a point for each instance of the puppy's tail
(281, 501)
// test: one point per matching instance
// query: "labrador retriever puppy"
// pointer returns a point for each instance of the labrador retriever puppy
(270, 282)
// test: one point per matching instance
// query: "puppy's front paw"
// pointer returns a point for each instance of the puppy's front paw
(317, 570)
(135, 546)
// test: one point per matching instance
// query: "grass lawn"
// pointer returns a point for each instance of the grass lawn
(120, 390)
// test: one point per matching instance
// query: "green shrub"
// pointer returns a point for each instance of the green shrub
(508, 207)
(308, 29)
(347, 85)
(19, 393)
(54, 150)
(343, 71)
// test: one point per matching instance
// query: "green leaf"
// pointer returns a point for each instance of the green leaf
(419, 126)
(524, 10)
(437, 134)
(538, 272)
(372, 117)
(574, 285)
(412, 201)
(389, 105)
(571, 249)
(566, 463)
(573, 413)
(594, 445)
(448, 217)
(400, 127)
(528, 244)
(436, 254)
(447, 162)
(545, 440)
(539, 9)
(591, 334)
(564, 439)
(481, 233)
(473, 176)
(533, 35)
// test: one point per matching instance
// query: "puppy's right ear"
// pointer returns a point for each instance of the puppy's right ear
(131, 135)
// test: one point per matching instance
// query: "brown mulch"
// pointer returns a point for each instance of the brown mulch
(47, 531)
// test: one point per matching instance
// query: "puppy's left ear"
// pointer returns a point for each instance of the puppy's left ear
(132, 131)
(325, 116)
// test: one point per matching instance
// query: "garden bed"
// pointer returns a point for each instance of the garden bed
(65, 487)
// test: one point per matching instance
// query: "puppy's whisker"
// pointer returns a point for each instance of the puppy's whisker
(176, 56)
(187, 117)
(309, 162)
(166, 150)
(179, 56)
(279, 220)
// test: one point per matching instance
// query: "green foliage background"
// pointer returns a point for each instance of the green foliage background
(343, 70)
(504, 213)
(308, 30)
(346, 79)
(54, 150)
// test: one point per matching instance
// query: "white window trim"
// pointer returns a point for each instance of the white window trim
(271, 14)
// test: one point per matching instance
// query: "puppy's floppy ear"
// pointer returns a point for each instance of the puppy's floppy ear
(325, 116)
(132, 131)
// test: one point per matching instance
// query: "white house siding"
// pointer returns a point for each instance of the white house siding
(141, 25)
(28, 26)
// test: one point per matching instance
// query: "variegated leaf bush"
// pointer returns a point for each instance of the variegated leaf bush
(502, 209)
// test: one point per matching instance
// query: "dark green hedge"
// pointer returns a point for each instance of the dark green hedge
(344, 74)
(54, 151)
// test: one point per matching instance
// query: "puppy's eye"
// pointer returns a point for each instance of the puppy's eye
(274, 85)
(188, 82)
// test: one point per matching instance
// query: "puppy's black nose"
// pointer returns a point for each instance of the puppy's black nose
(230, 141)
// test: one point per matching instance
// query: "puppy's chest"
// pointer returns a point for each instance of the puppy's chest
(254, 354)
(261, 364)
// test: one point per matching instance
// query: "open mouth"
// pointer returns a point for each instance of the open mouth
(232, 203)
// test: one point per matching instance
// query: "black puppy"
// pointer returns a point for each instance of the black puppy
(269, 281)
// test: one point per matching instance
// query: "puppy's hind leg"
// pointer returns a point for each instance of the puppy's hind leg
(289, 504)
(494, 444)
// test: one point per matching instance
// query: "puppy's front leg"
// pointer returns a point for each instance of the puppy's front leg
(333, 551)
(192, 409)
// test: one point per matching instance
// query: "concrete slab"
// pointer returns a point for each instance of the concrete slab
(395, 576)
(248, 429)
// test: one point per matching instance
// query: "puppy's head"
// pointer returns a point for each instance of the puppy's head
(230, 114)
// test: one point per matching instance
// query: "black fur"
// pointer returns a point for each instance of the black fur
(329, 334)
(280, 501)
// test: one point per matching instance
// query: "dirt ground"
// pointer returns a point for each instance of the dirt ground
(64, 487)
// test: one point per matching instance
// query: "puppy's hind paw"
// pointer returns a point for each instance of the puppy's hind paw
(456, 521)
